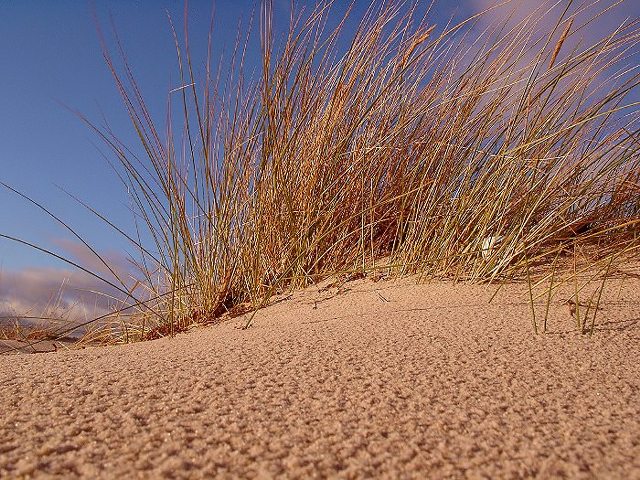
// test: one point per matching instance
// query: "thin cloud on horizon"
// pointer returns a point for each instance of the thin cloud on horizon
(71, 294)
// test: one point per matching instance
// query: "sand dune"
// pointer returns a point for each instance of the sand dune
(387, 379)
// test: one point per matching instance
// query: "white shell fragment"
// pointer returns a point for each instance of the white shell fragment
(489, 244)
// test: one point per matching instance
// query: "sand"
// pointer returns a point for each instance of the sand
(23, 346)
(385, 380)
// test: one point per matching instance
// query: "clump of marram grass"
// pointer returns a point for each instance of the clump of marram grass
(409, 144)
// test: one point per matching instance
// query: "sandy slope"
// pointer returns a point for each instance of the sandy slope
(388, 380)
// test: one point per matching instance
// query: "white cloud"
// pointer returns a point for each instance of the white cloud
(594, 19)
(66, 293)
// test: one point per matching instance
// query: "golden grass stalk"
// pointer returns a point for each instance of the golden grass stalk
(416, 43)
(560, 41)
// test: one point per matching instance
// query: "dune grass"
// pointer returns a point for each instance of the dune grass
(415, 144)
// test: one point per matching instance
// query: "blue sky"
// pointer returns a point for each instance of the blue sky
(50, 57)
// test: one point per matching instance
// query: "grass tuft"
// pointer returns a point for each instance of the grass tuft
(410, 144)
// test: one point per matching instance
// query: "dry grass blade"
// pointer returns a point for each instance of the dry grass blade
(561, 40)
